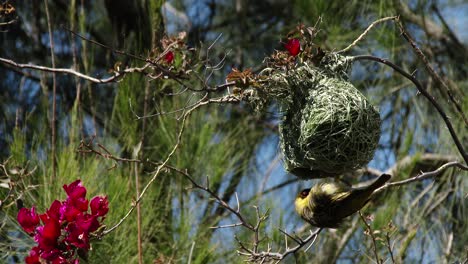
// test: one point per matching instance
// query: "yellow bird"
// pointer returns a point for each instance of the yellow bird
(327, 204)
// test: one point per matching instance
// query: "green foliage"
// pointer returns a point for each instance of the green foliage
(18, 146)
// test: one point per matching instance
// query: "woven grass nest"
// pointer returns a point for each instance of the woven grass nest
(328, 126)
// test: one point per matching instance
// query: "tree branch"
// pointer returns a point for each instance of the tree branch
(424, 175)
(365, 33)
(429, 69)
(370, 232)
(9, 22)
(203, 101)
(112, 78)
(423, 91)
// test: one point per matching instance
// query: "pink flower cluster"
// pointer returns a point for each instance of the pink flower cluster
(66, 226)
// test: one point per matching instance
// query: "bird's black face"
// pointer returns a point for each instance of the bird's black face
(303, 194)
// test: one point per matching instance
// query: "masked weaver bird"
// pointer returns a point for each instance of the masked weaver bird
(327, 204)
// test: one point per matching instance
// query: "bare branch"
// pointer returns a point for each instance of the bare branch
(203, 101)
(419, 162)
(423, 92)
(389, 246)
(367, 31)
(423, 176)
(226, 226)
(105, 46)
(268, 256)
(112, 78)
(298, 240)
(371, 234)
(431, 71)
(252, 254)
(311, 243)
(436, 159)
(9, 22)
(429, 68)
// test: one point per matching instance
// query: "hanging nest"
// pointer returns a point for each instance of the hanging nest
(328, 126)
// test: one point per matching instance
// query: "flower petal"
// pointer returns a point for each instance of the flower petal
(28, 219)
(293, 46)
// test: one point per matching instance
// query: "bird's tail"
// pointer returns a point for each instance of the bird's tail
(379, 182)
(358, 197)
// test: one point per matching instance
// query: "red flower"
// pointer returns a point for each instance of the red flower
(87, 223)
(51, 255)
(28, 219)
(66, 226)
(33, 257)
(76, 195)
(68, 212)
(77, 236)
(60, 260)
(169, 57)
(48, 234)
(52, 213)
(293, 46)
(99, 205)
(75, 190)
(79, 203)
(78, 231)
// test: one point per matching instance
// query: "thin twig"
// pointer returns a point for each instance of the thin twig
(104, 46)
(191, 252)
(389, 246)
(297, 240)
(226, 226)
(366, 31)
(159, 169)
(203, 101)
(274, 188)
(423, 91)
(431, 71)
(371, 233)
(311, 243)
(112, 78)
(280, 256)
(423, 176)
(8, 22)
(252, 254)
(153, 61)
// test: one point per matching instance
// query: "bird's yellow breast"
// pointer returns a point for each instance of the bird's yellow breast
(301, 204)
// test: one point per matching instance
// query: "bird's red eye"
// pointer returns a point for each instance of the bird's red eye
(304, 194)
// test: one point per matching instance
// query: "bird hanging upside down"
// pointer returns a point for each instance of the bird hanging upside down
(327, 204)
